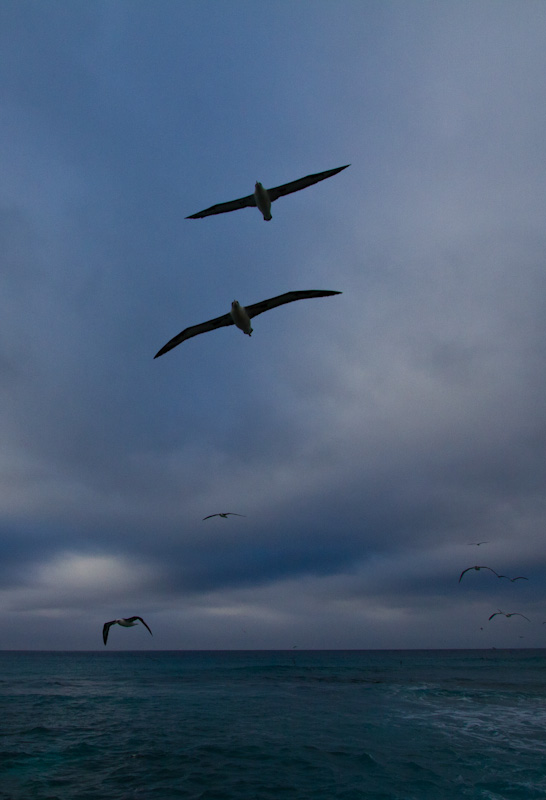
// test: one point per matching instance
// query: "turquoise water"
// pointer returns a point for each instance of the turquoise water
(378, 725)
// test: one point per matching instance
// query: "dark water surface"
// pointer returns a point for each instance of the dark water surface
(380, 725)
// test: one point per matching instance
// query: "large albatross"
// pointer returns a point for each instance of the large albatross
(512, 614)
(508, 578)
(125, 623)
(478, 569)
(224, 515)
(262, 198)
(241, 316)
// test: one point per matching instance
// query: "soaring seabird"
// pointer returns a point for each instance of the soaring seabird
(262, 198)
(224, 514)
(513, 614)
(478, 543)
(125, 623)
(478, 568)
(241, 316)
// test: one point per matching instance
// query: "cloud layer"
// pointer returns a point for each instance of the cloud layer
(368, 438)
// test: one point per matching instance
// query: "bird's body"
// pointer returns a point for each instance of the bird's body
(512, 614)
(241, 316)
(477, 569)
(262, 198)
(126, 622)
(224, 515)
(263, 201)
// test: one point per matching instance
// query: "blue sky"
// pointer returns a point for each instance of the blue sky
(368, 437)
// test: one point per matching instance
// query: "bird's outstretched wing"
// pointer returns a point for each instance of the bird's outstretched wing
(281, 299)
(195, 330)
(495, 614)
(519, 578)
(106, 629)
(492, 570)
(302, 183)
(222, 208)
(132, 619)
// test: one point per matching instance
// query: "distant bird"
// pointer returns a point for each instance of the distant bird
(478, 568)
(241, 316)
(125, 623)
(262, 198)
(478, 543)
(224, 515)
(513, 614)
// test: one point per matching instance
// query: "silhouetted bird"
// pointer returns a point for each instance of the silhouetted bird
(241, 316)
(128, 622)
(512, 614)
(477, 569)
(262, 198)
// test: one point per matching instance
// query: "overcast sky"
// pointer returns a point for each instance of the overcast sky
(367, 438)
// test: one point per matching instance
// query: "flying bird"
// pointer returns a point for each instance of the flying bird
(262, 198)
(125, 623)
(478, 543)
(478, 568)
(224, 515)
(513, 614)
(241, 316)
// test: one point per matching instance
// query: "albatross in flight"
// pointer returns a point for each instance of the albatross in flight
(241, 316)
(512, 614)
(224, 515)
(478, 568)
(125, 623)
(262, 198)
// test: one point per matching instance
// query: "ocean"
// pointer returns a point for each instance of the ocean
(373, 725)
